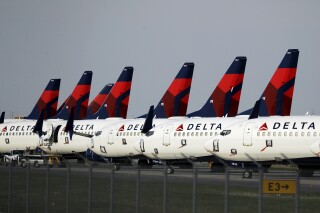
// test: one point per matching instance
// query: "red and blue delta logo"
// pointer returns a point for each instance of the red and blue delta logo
(4, 129)
(180, 128)
(121, 128)
(263, 127)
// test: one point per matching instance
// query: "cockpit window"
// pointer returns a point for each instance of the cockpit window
(225, 132)
(98, 133)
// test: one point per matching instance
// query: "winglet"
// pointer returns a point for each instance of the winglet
(148, 122)
(255, 110)
(2, 117)
(39, 124)
(69, 126)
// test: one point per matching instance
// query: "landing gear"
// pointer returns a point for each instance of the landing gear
(169, 170)
(116, 167)
(247, 174)
(36, 164)
(23, 164)
(217, 168)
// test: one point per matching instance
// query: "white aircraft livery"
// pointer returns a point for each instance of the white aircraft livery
(270, 139)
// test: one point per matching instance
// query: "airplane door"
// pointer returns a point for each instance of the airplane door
(166, 135)
(110, 136)
(247, 135)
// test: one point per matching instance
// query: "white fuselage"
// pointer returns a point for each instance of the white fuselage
(269, 139)
(19, 135)
(118, 140)
(78, 144)
(183, 139)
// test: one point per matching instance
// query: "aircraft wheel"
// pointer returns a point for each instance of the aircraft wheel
(36, 164)
(169, 170)
(116, 167)
(247, 174)
(23, 164)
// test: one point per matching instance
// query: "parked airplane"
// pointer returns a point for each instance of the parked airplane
(268, 140)
(20, 135)
(117, 140)
(48, 102)
(178, 140)
(89, 127)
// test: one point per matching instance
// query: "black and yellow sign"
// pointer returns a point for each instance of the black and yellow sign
(279, 186)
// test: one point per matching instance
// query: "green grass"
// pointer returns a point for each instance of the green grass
(209, 197)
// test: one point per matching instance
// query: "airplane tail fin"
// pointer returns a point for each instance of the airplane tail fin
(97, 102)
(279, 91)
(78, 99)
(116, 103)
(48, 101)
(224, 100)
(175, 100)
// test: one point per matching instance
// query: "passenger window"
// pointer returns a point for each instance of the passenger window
(285, 134)
(0, 134)
(201, 133)
(134, 134)
(274, 134)
(175, 134)
(302, 133)
(179, 134)
(258, 133)
(196, 133)
(296, 134)
(183, 134)
(279, 133)
(269, 133)
(19, 133)
(314, 134)
(263, 134)
(308, 134)
(130, 133)
(216, 133)
(187, 133)
(211, 133)
(290, 133)
(206, 133)
(192, 133)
